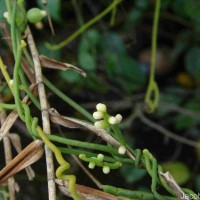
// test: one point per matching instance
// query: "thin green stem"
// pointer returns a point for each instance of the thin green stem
(7, 106)
(5, 74)
(84, 27)
(16, 82)
(154, 40)
(68, 100)
(9, 9)
(152, 94)
(14, 29)
(113, 15)
(26, 87)
(86, 145)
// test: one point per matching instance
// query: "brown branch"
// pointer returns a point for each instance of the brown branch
(164, 131)
(45, 114)
(174, 186)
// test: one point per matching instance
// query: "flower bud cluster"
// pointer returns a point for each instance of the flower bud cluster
(103, 121)
(93, 161)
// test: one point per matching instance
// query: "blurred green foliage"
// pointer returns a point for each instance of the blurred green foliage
(111, 60)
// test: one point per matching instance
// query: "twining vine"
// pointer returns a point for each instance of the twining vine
(108, 157)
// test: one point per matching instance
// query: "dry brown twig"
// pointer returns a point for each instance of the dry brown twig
(86, 193)
(29, 155)
(8, 158)
(45, 114)
(174, 186)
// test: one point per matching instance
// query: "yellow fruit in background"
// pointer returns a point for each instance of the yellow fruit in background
(178, 170)
(185, 80)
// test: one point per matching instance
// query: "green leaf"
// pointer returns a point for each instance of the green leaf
(178, 170)
(193, 62)
(132, 174)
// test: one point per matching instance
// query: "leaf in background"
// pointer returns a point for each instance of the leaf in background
(87, 61)
(178, 7)
(191, 9)
(193, 62)
(131, 76)
(197, 182)
(133, 17)
(183, 121)
(2, 9)
(47, 52)
(178, 170)
(54, 9)
(112, 42)
(132, 174)
(70, 76)
(87, 50)
(169, 99)
(142, 4)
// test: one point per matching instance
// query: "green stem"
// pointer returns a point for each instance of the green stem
(86, 145)
(68, 100)
(14, 29)
(5, 74)
(8, 5)
(16, 83)
(26, 87)
(7, 106)
(84, 27)
(91, 154)
(113, 15)
(152, 101)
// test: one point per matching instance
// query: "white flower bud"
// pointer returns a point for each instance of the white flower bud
(91, 165)
(106, 169)
(11, 82)
(43, 13)
(98, 115)
(118, 117)
(112, 120)
(99, 124)
(122, 150)
(6, 16)
(100, 157)
(101, 107)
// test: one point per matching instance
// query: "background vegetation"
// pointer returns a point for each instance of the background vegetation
(116, 59)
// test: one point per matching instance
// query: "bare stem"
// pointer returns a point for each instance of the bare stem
(45, 114)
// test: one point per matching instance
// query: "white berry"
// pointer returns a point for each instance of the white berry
(122, 150)
(101, 107)
(106, 169)
(98, 115)
(112, 120)
(118, 117)
(91, 165)
(99, 124)
(100, 157)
